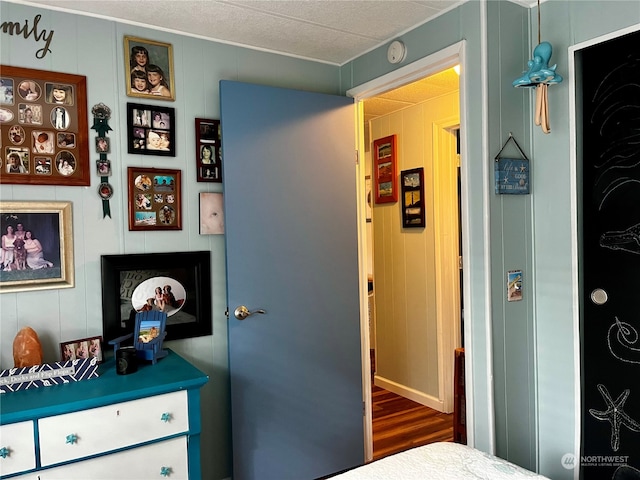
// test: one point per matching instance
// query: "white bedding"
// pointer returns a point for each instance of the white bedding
(440, 461)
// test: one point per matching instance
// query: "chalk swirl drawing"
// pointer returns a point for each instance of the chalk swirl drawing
(616, 117)
(615, 415)
(625, 472)
(622, 340)
(627, 240)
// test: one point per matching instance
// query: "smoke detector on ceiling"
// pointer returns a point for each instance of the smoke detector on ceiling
(396, 52)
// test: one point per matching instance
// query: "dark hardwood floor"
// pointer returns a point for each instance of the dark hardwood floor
(400, 424)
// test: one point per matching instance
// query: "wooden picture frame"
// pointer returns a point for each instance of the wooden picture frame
(128, 281)
(44, 128)
(155, 201)
(81, 349)
(149, 69)
(208, 158)
(384, 170)
(412, 186)
(151, 130)
(50, 224)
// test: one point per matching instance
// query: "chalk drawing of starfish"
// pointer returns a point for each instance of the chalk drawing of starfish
(615, 415)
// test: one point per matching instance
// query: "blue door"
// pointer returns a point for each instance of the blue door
(290, 213)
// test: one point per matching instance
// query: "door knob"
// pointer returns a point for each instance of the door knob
(599, 296)
(243, 312)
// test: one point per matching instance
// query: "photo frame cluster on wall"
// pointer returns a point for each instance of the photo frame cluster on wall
(151, 130)
(155, 201)
(385, 189)
(44, 128)
(208, 158)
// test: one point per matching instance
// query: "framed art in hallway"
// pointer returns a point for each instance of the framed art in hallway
(384, 170)
(37, 246)
(149, 69)
(412, 186)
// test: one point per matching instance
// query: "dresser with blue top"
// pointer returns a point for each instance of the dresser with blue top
(141, 426)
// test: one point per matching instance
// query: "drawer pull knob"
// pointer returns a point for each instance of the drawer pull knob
(72, 439)
(166, 417)
(5, 452)
(166, 471)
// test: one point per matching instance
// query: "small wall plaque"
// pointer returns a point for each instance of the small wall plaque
(512, 174)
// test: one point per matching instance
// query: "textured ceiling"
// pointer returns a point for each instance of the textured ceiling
(416, 92)
(331, 31)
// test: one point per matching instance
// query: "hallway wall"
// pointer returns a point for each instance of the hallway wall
(405, 273)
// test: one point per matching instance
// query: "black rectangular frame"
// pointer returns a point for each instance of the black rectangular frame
(193, 268)
(412, 188)
(143, 128)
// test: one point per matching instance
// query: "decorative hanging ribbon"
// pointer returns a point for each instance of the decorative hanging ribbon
(101, 116)
(512, 174)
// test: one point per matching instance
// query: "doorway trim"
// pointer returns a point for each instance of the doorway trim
(431, 64)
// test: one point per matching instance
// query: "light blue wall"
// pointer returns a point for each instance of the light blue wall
(94, 48)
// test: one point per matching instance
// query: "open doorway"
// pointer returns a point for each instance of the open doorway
(415, 299)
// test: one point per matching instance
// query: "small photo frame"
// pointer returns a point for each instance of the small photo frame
(103, 145)
(155, 201)
(514, 285)
(103, 168)
(412, 186)
(84, 348)
(208, 158)
(105, 190)
(149, 69)
(211, 213)
(385, 170)
(151, 130)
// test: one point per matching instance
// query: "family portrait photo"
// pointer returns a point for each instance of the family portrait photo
(36, 245)
(149, 68)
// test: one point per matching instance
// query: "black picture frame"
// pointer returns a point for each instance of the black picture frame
(122, 286)
(208, 157)
(412, 188)
(151, 130)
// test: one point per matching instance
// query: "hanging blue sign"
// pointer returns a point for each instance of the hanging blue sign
(512, 176)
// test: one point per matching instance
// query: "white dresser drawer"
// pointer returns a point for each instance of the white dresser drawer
(17, 438)
(89, 432)
(144, 463)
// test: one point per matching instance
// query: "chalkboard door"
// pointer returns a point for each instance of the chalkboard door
(610, 315)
